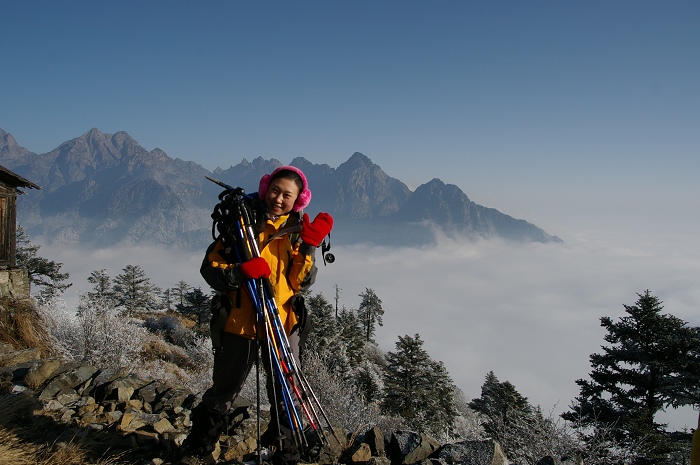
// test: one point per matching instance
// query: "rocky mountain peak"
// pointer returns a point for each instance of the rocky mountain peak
(6, 140)
(102, 189)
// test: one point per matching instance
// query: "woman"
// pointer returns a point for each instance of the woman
(286, 241)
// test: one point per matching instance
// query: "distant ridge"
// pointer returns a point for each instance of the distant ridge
(102, 189)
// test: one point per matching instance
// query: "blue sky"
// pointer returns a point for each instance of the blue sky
(529, 107)
(580, 117)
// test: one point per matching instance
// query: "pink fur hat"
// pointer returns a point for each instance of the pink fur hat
(304, 196)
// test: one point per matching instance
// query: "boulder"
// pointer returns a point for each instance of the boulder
(486, 452)
(375, 439)
(408, 447)
(19, 356)
(41, 371)
(69, 380)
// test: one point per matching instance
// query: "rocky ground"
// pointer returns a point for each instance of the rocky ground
(144, 421)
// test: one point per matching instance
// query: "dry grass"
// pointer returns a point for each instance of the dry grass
(22, 326)
(26, 439)
(157, 349)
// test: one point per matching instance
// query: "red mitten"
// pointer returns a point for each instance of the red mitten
(255, 268)
(313, 232)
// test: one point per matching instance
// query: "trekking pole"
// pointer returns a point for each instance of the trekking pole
(289, 366)
(293, 367)
(257, 386)
(244, 248)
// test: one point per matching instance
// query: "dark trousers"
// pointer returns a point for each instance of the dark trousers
(232, 365)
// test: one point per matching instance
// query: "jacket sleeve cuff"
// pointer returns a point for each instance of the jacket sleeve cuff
(306, 249)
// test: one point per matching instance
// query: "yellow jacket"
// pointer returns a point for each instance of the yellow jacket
(292, 270)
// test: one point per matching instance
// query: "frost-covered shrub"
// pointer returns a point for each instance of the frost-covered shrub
(171, 330)
(162, 324)
(341, 400)
(96, 334)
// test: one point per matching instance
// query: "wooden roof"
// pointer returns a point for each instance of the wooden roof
(13, 179)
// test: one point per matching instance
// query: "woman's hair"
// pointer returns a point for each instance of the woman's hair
(293, 173)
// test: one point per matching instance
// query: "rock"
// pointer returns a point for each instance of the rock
(71, 379)
(39, 373)
(175, 397)
(113, 417)
(379, 461)
(362, 454)
(14, 373)
(110, 390)
(235, 448)
(68, 396)
(486, 452)
(408, 447)
(17, 389)
(163, 426)
(146, 438)
(6, 348)
(375, 439)
(130, 423)
(19, 356)
(124, 393)
(151, 392)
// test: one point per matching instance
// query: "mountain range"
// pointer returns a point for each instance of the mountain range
(100, 190)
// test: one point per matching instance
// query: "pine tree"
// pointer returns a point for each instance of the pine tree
(323, 333)
(351, 336)
(500, 401)
(417, 388)
(441, 404)
(133, 290)
(510, 417)
(637, 375)
(42, 272)
(370, 313)
(101, 287)
(179, 292)
(369, 382)
(196, 306)
(167, 299)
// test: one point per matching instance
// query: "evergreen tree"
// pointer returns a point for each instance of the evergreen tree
(441, 406)
(322, 338)
(500, 401)
(369, 381)
(352, 337)
(196, 306)
(101, 287)
(133, 290)
(637, 375)
(42, 272)
(509, 415)
(417, 388)
(179, 292)
(370, 313)
(167, 299)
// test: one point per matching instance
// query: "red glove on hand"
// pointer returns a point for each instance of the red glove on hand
(313, 233)
(255, 268)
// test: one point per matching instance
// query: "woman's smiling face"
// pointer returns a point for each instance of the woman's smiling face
(281, 195)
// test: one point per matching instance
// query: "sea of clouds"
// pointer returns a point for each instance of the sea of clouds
(528, 312)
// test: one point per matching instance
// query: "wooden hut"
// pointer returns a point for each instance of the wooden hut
(13, 281)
